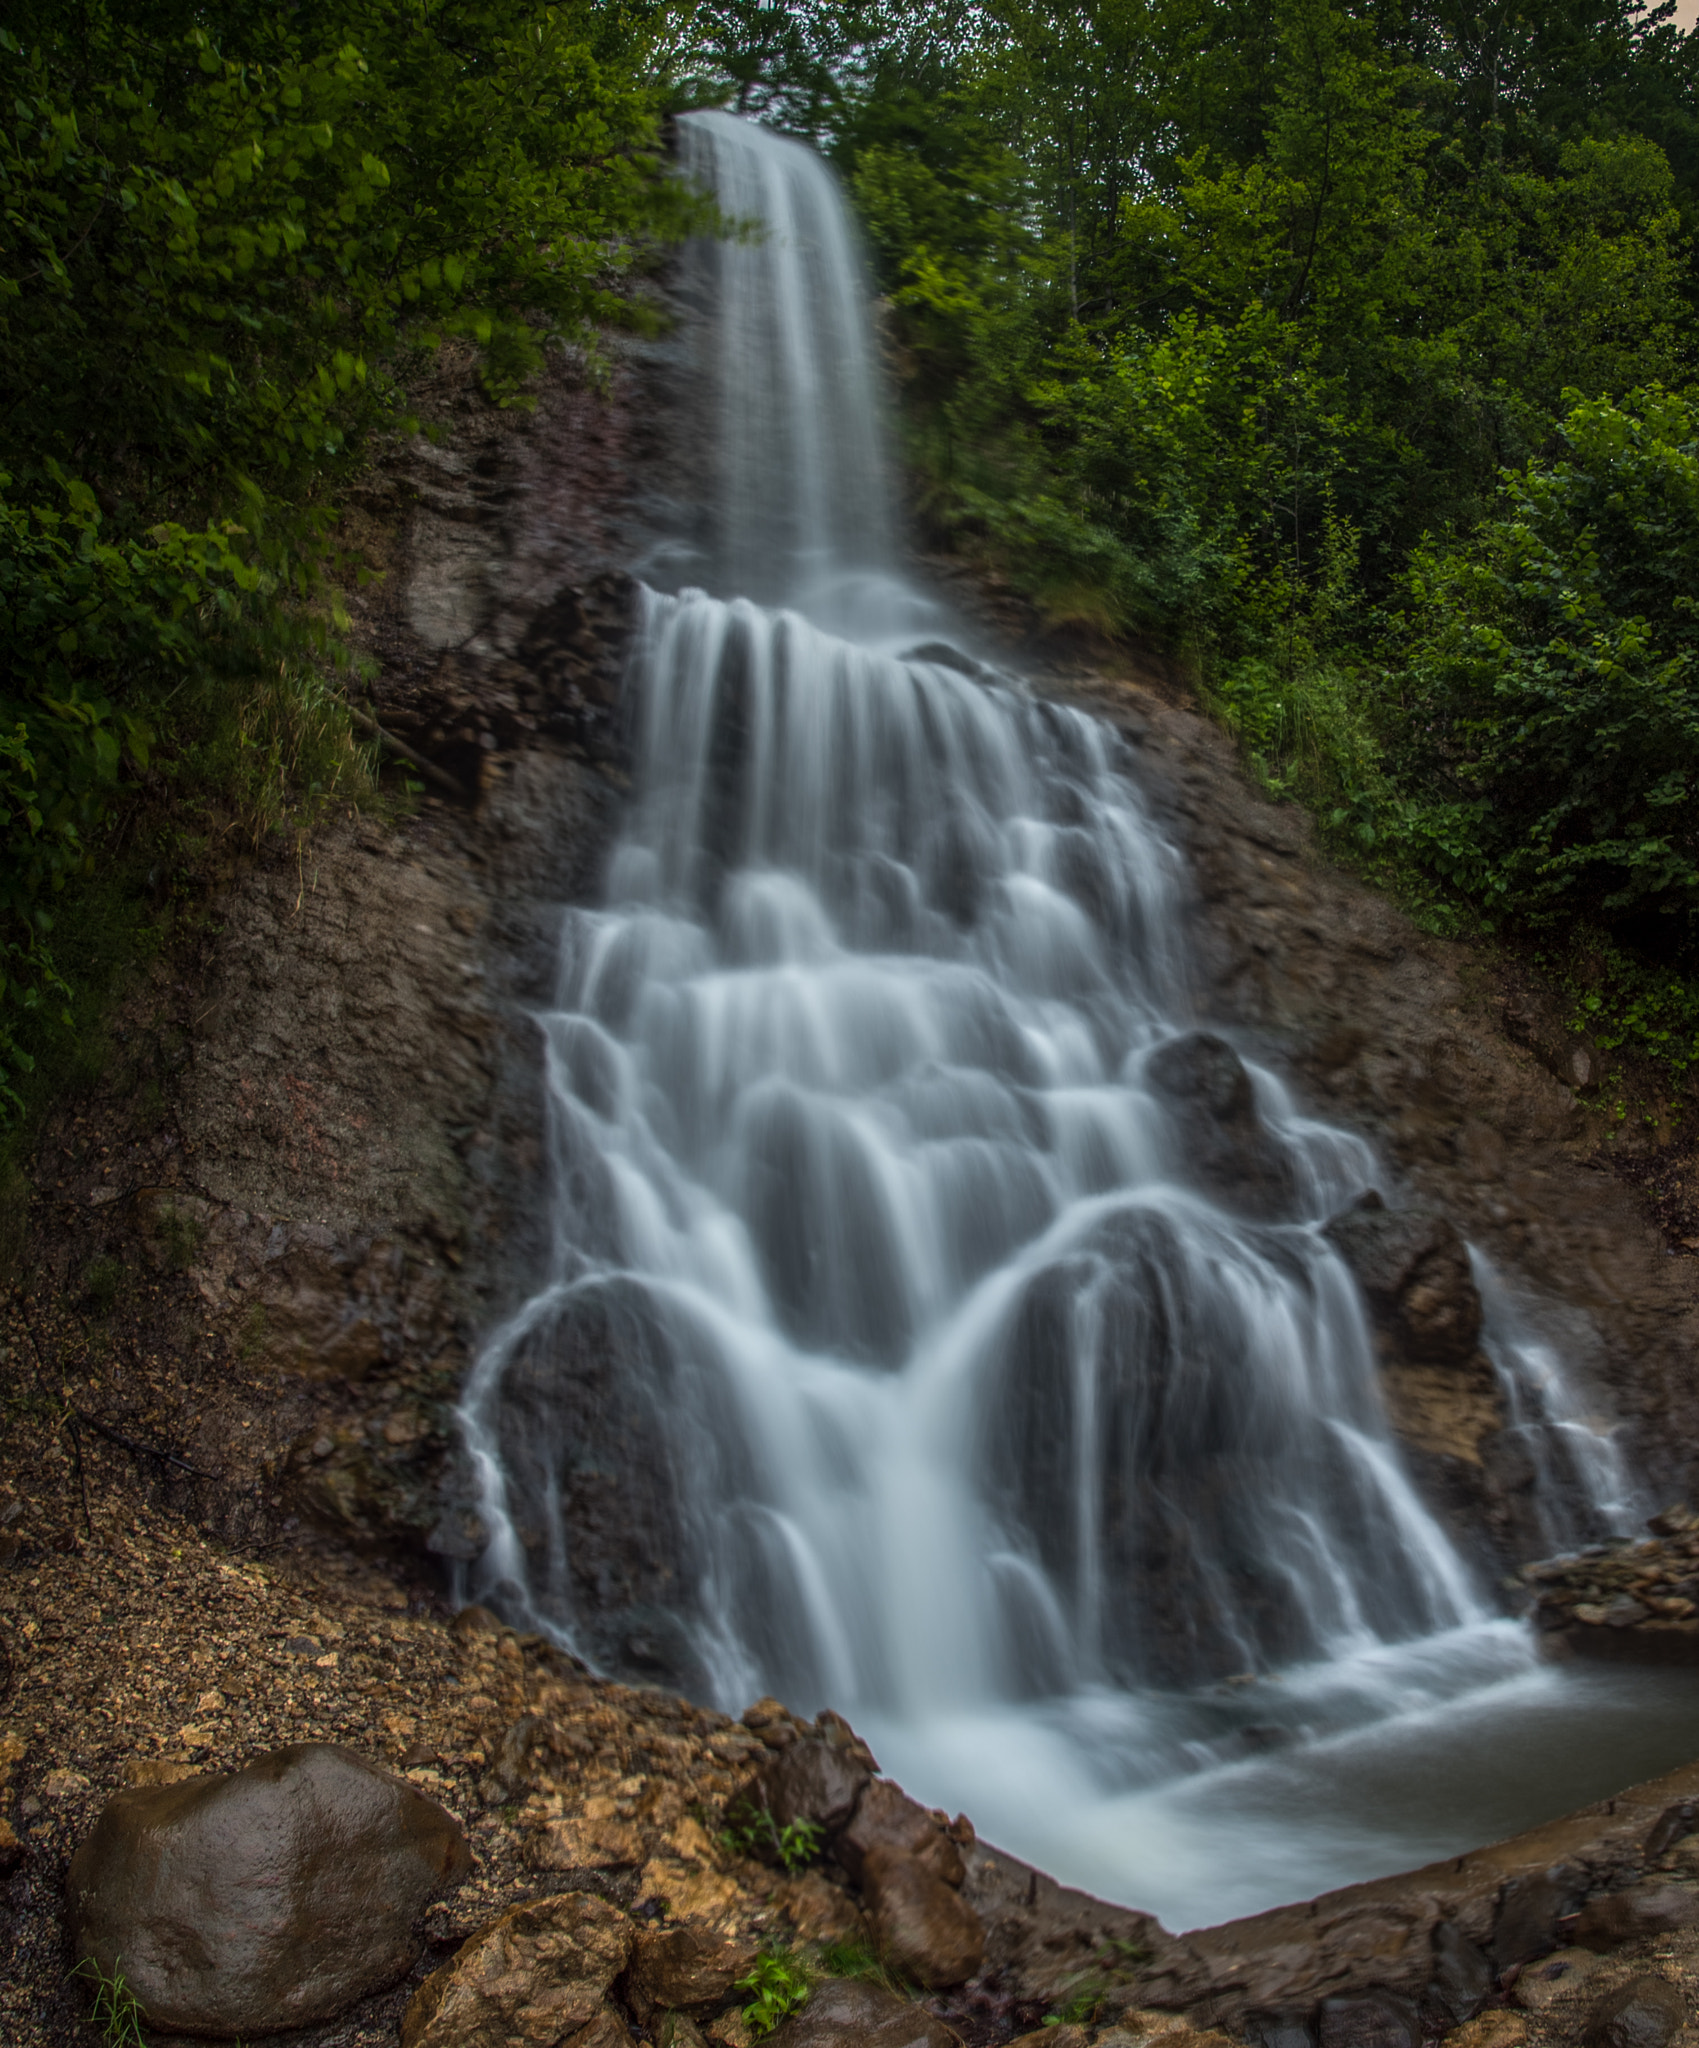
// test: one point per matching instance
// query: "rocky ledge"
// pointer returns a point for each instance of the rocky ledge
(561, 1853)
(1637, 1601)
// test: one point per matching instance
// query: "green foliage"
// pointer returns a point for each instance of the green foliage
(103, 1282)
(778, 1986)
(224, 251)
(1621, 1001)
(1349, 353)
(858, 1959)
(1550, 688)
(117, 2012)
(1113, 1965)
(753, 1831)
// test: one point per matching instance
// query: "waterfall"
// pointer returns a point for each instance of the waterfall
(950, 1309)
(1582, 1491)
(801, 485)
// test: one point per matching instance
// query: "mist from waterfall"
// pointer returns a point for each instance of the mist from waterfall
(970, 1298)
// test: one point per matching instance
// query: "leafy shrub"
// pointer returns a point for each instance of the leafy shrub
(778, 1987)
(1549, 693)
(753, 1831)
(224, 250)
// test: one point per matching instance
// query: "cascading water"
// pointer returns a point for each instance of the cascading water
(971, 1306)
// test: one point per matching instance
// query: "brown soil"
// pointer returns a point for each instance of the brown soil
(147, 1650)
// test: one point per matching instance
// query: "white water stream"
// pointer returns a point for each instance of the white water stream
(1013, 1401)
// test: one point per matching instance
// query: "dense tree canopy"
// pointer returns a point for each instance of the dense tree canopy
(225, 237)
(1345, 346)
(1349, 349)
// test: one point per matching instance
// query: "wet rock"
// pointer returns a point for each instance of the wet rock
(888, 1818)
(1414, 1269)
(818, 1909)
(684, 1966)
(534, 1977)
(513, 1758)
(1463, 1978)
(1528, 1912)
(845, 2013)
(1042, 1938)
(1280, 2030)
(1672, 1826)
(263, 1900)
(1223, 1143)
(679, 2030)
(1629, 1601)
(1619, 1917)
(1553, 1978)
(1645, 2013)
(925, 1929)
(1376, 2019)
(813, 1780)
(1063, 2036)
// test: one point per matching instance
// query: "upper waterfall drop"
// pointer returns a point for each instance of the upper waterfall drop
(961, 1311)
(802, 501)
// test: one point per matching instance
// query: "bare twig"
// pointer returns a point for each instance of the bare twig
(403, 752)
(141, 1450)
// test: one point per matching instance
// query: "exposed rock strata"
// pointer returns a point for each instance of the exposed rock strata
(1633, 1601)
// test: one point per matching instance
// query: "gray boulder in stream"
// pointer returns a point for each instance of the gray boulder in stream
(263, 1900)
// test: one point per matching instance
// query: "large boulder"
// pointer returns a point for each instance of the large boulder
(265, 1899)
(849, 2013)
(534, 1977)
(923, 1927)
(1646, 2012)
(1657, 1907)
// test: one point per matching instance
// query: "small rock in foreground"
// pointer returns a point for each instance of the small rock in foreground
(1646, 2012)
(1554, 1977)
(266, 1899)
(533, 1978)
(1491, 2030)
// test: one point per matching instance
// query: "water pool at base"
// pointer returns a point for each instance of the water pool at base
(1238, 1837)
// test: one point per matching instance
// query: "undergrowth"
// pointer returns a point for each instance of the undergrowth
(753, 1831)
(117, 2011)
(862, 1961)
(778, 1986)
(252, 766)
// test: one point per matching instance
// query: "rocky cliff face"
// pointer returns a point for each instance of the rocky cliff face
(335, 1181)
(1411, 1041)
